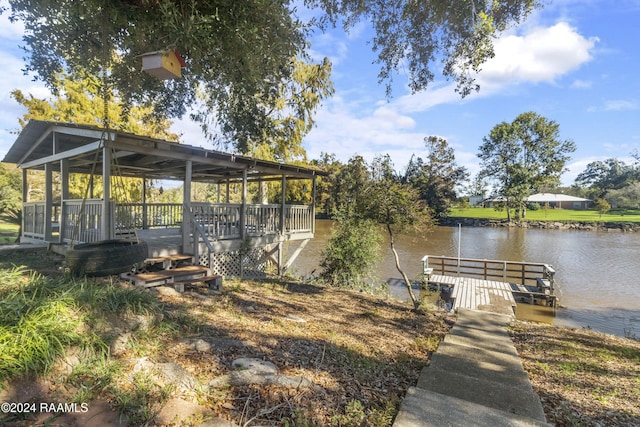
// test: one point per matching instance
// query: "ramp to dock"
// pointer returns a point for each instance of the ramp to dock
(477, 294)
(475, 378)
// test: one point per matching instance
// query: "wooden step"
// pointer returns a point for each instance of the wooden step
(169, 261)
(163, 277)
(213, 282)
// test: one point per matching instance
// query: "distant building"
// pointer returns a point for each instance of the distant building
(492, 202)
(475, 201)
(555, 201)
(560, 201)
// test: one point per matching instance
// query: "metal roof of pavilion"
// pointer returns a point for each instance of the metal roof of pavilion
(42, 142)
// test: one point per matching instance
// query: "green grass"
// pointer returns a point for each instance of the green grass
(561, 215)
(41, 317)
(8, 232)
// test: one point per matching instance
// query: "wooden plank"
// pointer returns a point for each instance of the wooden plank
(166, 276)
(444, 280)
(463, 294)
(176, 257)
(471, 293)
(473, 290)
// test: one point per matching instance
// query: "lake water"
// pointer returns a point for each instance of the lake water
(598, 273)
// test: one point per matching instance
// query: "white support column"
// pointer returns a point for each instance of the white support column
(243, 208)
(281, 266)
(283, 214)
(64, 179)
(48, 201)
(186, 199)
(145, 220)
(25, 186)
(313, 205)
(106, 228)
(64, 195)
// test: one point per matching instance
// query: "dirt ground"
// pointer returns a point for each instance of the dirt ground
(583, 378)
(362, 352)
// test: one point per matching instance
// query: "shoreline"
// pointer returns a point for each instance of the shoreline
(546, 225)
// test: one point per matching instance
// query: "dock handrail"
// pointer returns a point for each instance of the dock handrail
(520, 272)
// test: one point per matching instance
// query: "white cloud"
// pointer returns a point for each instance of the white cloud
(13, 78)
(543, 54)
(581, 84)
(539, 55)
(10, 30)
(615, 105)
(328, 42)
(620, 105)
(343, 132)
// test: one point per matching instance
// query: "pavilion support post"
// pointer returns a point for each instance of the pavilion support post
(283, 216)
(25, 197)
(186, 197)
(25, 185)
(280, 258)
(228, 201)
(283, 205)
(48, 201)
(313, 205)
(145, 219)
(64, 195)
(107, 225)
(243, 208)
(294, 255)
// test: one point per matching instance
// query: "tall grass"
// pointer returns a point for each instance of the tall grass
(41, 317)
(37, 322)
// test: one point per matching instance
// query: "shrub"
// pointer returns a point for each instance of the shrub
(351, 253)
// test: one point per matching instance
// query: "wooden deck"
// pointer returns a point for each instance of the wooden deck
(478, 294)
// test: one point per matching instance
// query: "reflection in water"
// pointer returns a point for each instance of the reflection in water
(598, 273)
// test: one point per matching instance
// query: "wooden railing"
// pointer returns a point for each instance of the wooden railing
(524, 273)
(149, 215)
(81, 222)
(198, 234)
(33, 220)
(262, 219)
(299, 218)
(219, 221)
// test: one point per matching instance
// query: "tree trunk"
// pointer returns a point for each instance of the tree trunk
(407, 282)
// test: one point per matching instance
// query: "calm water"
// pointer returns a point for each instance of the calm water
(598, 273)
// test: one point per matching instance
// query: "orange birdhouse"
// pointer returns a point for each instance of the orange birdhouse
(164, 65)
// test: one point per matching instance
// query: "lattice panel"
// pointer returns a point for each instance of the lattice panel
(203, 259)
(225, 264)
(253, 263)
(231, 264)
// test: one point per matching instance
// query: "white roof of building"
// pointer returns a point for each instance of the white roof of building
(550, 197)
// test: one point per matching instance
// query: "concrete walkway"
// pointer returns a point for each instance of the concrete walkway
(475, 378)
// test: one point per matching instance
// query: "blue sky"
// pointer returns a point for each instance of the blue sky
(574, 61)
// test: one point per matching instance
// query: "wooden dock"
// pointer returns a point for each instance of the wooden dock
(477, 294)
(490, 285)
